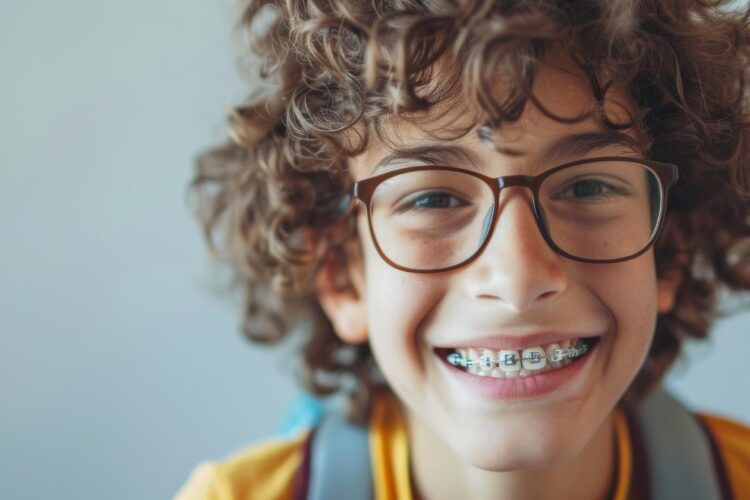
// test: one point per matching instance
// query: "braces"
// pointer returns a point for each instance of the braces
(489, 362)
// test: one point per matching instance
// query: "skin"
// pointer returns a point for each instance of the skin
(556, 446)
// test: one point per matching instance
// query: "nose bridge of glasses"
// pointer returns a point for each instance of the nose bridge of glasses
(515, 180)
(518, 181)
(522, 181)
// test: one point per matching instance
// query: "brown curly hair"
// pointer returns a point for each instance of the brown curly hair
(269, 199)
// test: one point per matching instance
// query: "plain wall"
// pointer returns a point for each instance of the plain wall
(119, 369)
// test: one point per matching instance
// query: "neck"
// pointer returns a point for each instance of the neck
(438, 473)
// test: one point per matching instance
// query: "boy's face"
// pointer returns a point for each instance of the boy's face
(517, 286)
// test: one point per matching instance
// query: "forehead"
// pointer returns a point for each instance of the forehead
(563, 91)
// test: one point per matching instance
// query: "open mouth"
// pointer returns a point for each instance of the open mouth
(511, 363)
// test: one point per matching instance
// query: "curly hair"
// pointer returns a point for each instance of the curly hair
(268, 199)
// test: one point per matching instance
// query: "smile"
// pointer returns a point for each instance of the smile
(509, 363)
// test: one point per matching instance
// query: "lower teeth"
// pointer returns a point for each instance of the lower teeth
(481, 367)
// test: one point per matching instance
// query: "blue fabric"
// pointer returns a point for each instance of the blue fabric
(304, 412)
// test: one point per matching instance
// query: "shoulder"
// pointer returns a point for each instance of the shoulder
(733, 442)
(266, 470)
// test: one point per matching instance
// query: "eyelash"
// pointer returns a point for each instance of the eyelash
(415, 205)
(610, 189)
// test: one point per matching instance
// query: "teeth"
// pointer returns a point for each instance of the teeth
(464, 354)
(534, 358)
(509, 363)
(454, 358)
(487, 360)
(473, 365)
(554, 354)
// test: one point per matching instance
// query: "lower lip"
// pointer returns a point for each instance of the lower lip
(528, 387)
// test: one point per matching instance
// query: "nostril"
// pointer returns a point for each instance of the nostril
(547, 294)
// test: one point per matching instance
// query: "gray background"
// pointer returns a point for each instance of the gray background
(119, 368)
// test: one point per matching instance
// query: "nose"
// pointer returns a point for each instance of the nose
(517, 267)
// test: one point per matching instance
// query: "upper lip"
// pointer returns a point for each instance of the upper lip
(497, 342)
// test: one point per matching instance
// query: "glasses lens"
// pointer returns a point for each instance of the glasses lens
(431, 219)
(602, 210)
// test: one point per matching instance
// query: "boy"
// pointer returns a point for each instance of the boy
(500, 219)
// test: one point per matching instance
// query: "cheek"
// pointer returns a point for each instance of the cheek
(396, 301)
(397, 304)
(629, 291)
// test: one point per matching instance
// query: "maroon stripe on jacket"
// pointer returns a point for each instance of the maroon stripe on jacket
(719, 467)
(302, 478)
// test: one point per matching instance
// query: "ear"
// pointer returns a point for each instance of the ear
(667, 287)
(340, 289)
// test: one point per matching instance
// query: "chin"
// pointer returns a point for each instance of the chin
(501, 455)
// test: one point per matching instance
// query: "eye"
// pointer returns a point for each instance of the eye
(588, 188)
(433, 200)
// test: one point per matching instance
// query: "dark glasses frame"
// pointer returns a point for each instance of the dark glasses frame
(361, 195)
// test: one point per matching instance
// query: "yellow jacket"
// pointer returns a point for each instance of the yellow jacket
(267, 471)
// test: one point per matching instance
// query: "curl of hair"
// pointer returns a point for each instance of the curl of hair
(272, 193)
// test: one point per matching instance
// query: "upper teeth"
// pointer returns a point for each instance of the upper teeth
(508, 360)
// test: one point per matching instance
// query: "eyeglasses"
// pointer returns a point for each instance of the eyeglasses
(428, 219)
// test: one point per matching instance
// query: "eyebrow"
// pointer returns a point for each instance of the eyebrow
(430, 155)
(573, 146)
(569, 146)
